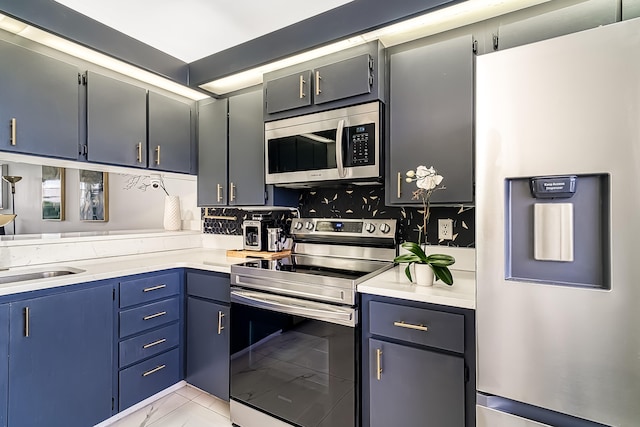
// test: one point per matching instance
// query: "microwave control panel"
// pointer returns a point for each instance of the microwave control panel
(360, 150)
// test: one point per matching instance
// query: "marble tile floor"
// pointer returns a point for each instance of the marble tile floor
(185, 407)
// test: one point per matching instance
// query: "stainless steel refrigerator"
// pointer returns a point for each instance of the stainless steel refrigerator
(558, 231)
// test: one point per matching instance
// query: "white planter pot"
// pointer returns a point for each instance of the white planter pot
(423, 275)
(172, 219)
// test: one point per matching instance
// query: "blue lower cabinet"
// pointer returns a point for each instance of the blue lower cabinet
(149, 377)
(149, 316)
(149, 344)
(4, 362)
(61, 359)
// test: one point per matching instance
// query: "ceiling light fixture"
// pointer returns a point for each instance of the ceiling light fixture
(458, 15)
(39, 36)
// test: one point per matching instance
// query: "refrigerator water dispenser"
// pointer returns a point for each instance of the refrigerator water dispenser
(557, 230)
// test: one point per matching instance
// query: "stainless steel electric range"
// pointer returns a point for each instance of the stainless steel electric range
(294, 346)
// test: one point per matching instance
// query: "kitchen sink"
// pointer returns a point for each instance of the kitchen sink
(34, 275)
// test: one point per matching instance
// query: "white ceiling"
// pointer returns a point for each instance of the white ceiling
(192, 29)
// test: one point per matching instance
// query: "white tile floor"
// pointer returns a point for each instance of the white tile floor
(186, 407)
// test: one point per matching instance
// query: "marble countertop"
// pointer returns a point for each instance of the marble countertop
(394, 283)
(391, 283)
(107, 268)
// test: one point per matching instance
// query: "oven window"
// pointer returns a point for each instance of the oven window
(309, 151)
(297, 369)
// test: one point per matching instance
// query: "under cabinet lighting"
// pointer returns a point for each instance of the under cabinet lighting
(458, 15)
(58, 43)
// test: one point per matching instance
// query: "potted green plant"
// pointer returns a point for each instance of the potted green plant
(427, 180)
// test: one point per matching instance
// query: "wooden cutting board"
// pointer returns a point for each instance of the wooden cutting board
(241, 253)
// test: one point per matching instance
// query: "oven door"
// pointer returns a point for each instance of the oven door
(333, 145)
(293, 360)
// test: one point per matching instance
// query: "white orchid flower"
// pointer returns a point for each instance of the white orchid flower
(427, 178)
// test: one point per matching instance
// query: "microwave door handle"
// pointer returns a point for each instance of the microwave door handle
(339, 160)
(300, 309)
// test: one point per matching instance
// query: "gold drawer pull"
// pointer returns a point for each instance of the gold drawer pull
(153, 316)
(151, 344)
(401, 324)
(154, 370)
(154, 288)
(379, 360)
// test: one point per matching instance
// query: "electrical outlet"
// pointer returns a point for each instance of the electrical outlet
(445, 229)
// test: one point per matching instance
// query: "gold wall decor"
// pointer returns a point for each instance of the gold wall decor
(52, 193)
(94, 196)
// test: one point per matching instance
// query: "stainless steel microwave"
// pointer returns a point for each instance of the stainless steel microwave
(335, 145)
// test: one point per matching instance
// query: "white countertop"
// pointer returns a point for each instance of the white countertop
(107, 268)
(394, 283)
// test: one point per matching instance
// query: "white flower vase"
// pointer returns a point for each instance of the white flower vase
(423, 275)
(172, 219)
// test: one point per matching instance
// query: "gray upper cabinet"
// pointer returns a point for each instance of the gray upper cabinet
(352, 76)
(288, 92)
(169, 134)
(555, 19)
(343, 79)
(39, 112)
(246, 149)
(212, 154)
(116, 122)
(431, 118)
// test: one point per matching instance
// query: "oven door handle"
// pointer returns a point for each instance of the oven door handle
(315, 310)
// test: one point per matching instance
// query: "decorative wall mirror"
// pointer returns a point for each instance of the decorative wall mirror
(52, 193)
(94, 196)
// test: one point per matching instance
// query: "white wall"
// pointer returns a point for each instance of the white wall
(130, 207)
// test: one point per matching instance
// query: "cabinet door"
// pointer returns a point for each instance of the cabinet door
(288, 92)
(208, 346)
(414, 387)
(212, 154)
(343, 79)
(39, 106)
(169, 134)
(246, 149)
(116, 122)
(61, 360)
(4, 364)
(431, 119)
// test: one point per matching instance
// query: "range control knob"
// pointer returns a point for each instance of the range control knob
(309, 226)
(384, 228)
(369, 228)
(298, 226)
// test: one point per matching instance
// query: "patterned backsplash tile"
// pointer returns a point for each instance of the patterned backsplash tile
(356, 202)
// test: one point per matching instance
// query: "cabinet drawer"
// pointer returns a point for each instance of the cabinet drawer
(150, 288)
(149, 344)
(418, 325)
(149, 377)
(149, 316)
(211, 286)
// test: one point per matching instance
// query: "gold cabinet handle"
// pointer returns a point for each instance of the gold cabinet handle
(219, 193)
(399, 184)
(302, 83)
(220, 327)
(318, 78)
(14, 127)
(158, 155)
(154, 370)
(379, 363)
(139, 152)
(151, 344)
(154, 288)
(401, 324)
(26, 321)
(232, 194)
(153, 316)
